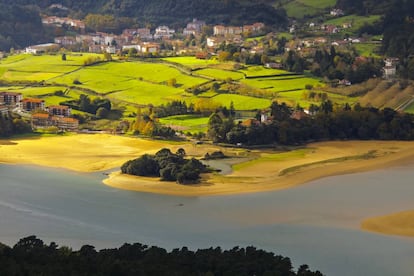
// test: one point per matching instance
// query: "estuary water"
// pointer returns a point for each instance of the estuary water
(317, 223)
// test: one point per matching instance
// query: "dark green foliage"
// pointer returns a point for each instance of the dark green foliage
(345, 65)
(85, 104)
(19, 26)
(146, 165)
(11, 124)
(399, 36)
(169, 166)
(327, 124)
(30, 256)
(214, 155)
(174, 108)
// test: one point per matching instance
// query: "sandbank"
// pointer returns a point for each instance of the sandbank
(267, 170)
(400, 224)
(78, 152)
(253, 170)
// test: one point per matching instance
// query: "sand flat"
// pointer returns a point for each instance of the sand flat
(259, 170)
(400, 224)
(78, 152)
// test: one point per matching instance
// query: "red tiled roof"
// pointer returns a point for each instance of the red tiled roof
(32, 100)
(40, 116)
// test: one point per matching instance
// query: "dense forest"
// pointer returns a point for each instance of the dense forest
(19, 26)
(31, 256)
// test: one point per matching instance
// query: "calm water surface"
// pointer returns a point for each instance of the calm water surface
(317, 223)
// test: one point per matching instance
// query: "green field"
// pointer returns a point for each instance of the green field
(191, 62)
(302, 8)
(220, 74)
(282, 84)
(133, 84)
(186, 123)
(252, 71)
(367, 49)
(37, 68)
(356, 21)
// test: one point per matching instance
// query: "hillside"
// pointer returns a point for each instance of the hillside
(170, 11)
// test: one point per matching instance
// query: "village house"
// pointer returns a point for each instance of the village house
(195, 27)
(41, 48)
(66, 40)
(163, 32)
(60, 21)
(3, 110)
(273, 65)
(144, 34)
(31, 104)
(10, 98)
(220, 30)
(299, 114)
(147, 47)
(390, 68)
(44, 120)
(59, 110)
(337, 12)
(254, 28)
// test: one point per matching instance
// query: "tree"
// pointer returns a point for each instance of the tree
(181, 152)
(214, 125)
(102, 113)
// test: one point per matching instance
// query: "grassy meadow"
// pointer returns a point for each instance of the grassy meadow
(301, 8)
(129, 84)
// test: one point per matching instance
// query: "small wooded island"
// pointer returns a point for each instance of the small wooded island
(167, 165)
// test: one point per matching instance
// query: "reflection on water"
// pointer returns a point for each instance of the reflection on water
(317, 223)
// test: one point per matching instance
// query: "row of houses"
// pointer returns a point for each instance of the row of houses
(54, 115)
(220, 30)
(60, 21)
(44, 120)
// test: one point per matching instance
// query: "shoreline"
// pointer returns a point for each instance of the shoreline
(251, 171)
(272, 177)
(256, 170)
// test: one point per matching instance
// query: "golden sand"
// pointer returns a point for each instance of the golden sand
(83, 152)
(401, 224)
(255, 171)
(262, 170)
(265, 170)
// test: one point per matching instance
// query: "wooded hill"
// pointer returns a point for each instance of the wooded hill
(172, 11)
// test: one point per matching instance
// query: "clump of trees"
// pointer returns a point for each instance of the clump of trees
(31, 256)
(11, 124)
(166, 165)
(147, 124)
(98, 106)
(174, 108)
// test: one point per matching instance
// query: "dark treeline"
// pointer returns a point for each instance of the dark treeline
(87, 105)
(335, 64)
(11, 124)
(30, 256)
(19, 26)
(167, 165)
(171, 11)
(326, 124)
(365, 7)
(174, 108)
(399, 36)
